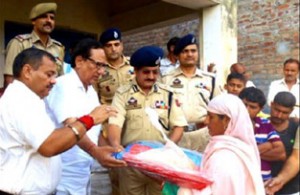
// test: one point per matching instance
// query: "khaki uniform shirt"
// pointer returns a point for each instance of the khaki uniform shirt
(112, 80)
(130, 101)
(22, 42)
(194, 93)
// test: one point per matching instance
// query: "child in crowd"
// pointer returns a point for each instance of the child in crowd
(235, 83)
(266, 137)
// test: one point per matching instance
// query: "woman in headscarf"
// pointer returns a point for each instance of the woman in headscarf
(231, 157)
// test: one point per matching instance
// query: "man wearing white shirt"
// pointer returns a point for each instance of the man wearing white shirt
(72, 96)
(289, 83)
(170, 62)
(30, 144)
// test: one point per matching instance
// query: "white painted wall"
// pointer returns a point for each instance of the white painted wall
(219, 37)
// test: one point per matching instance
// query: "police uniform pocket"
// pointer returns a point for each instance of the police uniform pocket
(162, 113)
(135, 119)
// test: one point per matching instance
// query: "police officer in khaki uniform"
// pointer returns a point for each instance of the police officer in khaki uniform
(42, 17)
(195, 88)
(118, 71)
(132, 124)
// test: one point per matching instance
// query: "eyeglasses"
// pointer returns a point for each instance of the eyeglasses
(98, 64)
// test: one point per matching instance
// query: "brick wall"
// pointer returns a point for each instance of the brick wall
(158, 36)
(268, 34)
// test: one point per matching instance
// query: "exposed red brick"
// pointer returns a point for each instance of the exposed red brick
(268, 43)
(260, 24)
(245, 16)
(267, 33)
(296, 37)
(283, 6)
(280, 14)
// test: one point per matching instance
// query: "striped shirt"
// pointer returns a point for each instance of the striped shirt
(265, 132)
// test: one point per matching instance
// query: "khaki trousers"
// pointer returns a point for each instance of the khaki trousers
(133, 182)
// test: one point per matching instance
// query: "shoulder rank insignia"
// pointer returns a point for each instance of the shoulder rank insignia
(57, 43)
(23, 37)
(131, 71)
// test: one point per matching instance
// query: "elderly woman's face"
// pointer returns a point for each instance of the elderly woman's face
(216, 124)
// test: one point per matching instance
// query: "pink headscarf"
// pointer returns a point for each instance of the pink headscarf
(240, 125)
(237, 143)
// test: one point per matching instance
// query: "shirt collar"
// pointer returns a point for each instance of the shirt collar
(167, 62)
(198, 72)
(136, 88)
(282, 81)
(26, 89)
(36, 38)
(125, 62)
(76, 80)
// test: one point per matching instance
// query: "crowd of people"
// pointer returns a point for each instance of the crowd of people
(59, 130)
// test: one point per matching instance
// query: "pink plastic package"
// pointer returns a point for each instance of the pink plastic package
(166, 164)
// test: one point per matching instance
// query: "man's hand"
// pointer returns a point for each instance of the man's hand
(102, 113)
(211, 68)
(118, 148)
(104, 155)
(273, 185)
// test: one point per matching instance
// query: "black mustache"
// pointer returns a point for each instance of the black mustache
(48, 24)
(50, 86)
(275, 118)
